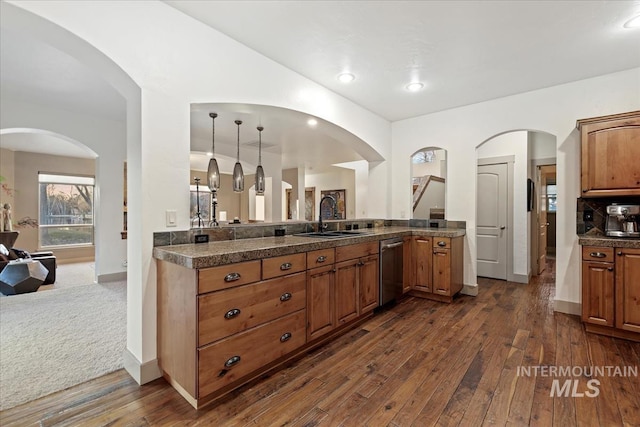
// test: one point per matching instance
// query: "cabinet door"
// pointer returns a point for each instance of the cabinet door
(422, 248)
(442, 271)
(628, 289)
(346, 300)
(320, 296)
(613, 159)
(597, 293)
(369, 284)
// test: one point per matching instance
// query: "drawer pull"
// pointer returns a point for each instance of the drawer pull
(285, 337)
(232, 361)
(286, 266)
(321, 258)
(232, 313)
(610, 268)
(232, 277)
(285, 297)
(619, 253)
(598, 255)
(442, 244)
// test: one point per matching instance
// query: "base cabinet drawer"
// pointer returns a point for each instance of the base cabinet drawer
(227, 312)
(232, 358)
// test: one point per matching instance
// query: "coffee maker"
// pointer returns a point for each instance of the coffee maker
(623, 220)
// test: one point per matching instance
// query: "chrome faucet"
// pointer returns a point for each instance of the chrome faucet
(335, 205)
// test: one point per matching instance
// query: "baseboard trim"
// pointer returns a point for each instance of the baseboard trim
(470, 290)
(567, 307)
(112, 277)
(142, 373)
(521, 278)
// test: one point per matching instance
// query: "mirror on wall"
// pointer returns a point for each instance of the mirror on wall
(428, 185)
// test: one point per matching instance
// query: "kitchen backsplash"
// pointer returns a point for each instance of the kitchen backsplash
(598, 210)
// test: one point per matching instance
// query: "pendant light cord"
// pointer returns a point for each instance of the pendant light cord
(213, 133)
(260, 129)
(238, 122)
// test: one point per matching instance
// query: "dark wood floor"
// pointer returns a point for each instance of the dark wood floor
(420, 363)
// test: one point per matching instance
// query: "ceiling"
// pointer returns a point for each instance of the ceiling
(464, 52)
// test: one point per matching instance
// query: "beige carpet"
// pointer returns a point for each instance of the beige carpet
(53, 339)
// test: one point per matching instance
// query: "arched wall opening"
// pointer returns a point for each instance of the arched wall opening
(26, 153)
(511, 213)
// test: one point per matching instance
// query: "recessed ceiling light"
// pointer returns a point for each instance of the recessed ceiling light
(312, 122)
(346, 77)
(414, 87)
(633, 22)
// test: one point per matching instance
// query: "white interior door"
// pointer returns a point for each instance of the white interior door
(492, 217)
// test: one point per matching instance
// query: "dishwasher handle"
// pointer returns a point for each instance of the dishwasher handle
(392, 245)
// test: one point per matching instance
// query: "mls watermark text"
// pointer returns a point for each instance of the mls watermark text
(576, 381)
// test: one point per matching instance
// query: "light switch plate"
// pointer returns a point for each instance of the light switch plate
(171, 220)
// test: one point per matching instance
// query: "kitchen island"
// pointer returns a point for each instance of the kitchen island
(229, 311)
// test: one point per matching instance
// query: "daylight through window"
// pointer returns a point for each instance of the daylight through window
(66, 210)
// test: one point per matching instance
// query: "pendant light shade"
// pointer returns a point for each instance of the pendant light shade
(259, 170)
(238, 175)
(213, 173)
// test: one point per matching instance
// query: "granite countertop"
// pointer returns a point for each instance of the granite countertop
(612, 242)
(216, 253)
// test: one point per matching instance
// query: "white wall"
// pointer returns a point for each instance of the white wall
(172, 72)
(553, 110)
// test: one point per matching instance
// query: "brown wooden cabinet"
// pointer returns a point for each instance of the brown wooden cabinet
(437, 267)
(423, 259)
(340, 293)
(368, 284)
(320, 296)
(610, 149)
(611, 291)
(628, 289)
(407, 264)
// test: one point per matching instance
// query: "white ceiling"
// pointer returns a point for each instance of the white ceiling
(465, 52)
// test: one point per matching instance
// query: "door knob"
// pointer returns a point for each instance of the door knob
(503, 227)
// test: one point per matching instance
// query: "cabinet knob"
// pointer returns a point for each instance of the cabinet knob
(232, 361)
(234, 312)
(232, 277)
(321, 258)
(443, 244)
(286, 266)
(598, 255)
(286, 337)
(285, 297)
(619, 253)
(610, 268)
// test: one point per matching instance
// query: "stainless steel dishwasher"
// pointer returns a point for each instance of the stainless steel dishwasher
(390, 270)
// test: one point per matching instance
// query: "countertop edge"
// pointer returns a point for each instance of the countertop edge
(206, 255)
(609, 242)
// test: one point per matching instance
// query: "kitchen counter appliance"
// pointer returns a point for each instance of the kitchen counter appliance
(623, 221)
(390, 270)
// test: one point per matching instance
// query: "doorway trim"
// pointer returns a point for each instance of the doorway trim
(535, 163)
(509, 160)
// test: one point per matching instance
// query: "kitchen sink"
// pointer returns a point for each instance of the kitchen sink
(332, 234)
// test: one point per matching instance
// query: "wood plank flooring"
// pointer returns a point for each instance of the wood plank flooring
(420, 363)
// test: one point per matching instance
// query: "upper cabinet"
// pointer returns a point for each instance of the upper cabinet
(610, 153)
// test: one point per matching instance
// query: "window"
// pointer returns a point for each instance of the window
(552, 195)
(66, 210)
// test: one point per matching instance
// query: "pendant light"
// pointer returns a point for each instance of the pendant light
(213, 173)
(259, 170)
(238, 175)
